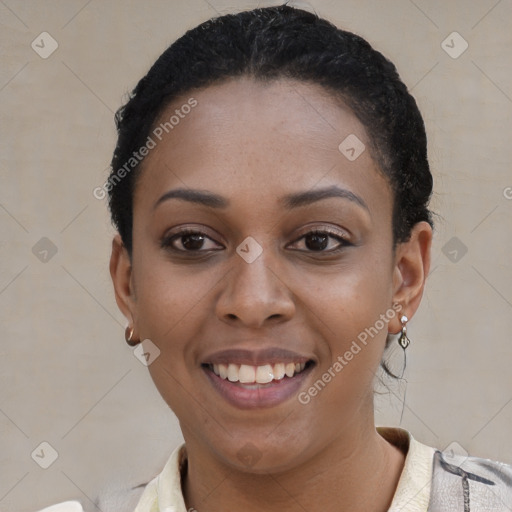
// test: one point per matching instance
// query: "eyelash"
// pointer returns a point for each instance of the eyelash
(167, 242)
(342, 241)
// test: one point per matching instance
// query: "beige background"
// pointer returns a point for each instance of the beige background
(67, 376)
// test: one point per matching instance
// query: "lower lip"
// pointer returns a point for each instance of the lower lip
(268, 395)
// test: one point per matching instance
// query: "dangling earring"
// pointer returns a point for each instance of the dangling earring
(128, 336)
(403, 340)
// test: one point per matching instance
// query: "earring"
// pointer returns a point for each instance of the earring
(403, 340)
(128, 336)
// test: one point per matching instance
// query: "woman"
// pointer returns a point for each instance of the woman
(270, 187)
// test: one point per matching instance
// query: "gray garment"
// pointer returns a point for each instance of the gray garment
(470, 484)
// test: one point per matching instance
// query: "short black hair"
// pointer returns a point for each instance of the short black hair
(283, 42)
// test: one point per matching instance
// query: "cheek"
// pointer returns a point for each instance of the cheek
(345, 311)
(175, 309)
(172, 310)
(348, 299)
(350, 310)
(172, 300)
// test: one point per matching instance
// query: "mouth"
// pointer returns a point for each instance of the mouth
(257, 380)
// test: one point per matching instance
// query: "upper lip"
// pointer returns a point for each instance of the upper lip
(259, 357)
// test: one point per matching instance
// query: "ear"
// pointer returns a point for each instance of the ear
(121, 274)
(411, 267)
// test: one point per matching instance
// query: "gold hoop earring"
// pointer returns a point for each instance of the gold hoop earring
(403, 340)
(128, 336)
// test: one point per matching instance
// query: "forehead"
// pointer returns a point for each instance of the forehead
(266, 137)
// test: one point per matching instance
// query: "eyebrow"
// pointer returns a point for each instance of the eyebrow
(311, 196)
(290, 201)
(194, 196)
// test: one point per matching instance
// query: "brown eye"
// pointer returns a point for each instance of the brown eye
(190, 241)
(320, 242)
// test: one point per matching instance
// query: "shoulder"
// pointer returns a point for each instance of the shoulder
(65, 506)
(143, 497)
(111, 499)
(470, 483)
(443, 481)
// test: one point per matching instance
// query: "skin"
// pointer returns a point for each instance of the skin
(254, 143)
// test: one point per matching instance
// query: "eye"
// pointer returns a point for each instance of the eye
(320, 241)
(190, 241)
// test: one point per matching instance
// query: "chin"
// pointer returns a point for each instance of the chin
(259, 455)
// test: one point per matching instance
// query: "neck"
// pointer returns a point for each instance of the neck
(358, 472)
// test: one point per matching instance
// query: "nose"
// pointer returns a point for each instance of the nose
(254, 295)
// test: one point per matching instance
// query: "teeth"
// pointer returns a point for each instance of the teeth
(233, 372)
(279, 371)
(247, 374)
(264, 374)
(223, 370)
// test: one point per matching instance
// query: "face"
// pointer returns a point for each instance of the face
(264, 271)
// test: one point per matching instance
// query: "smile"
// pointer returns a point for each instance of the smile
(258, 385)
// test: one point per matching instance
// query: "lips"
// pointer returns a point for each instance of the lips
(261, 378)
